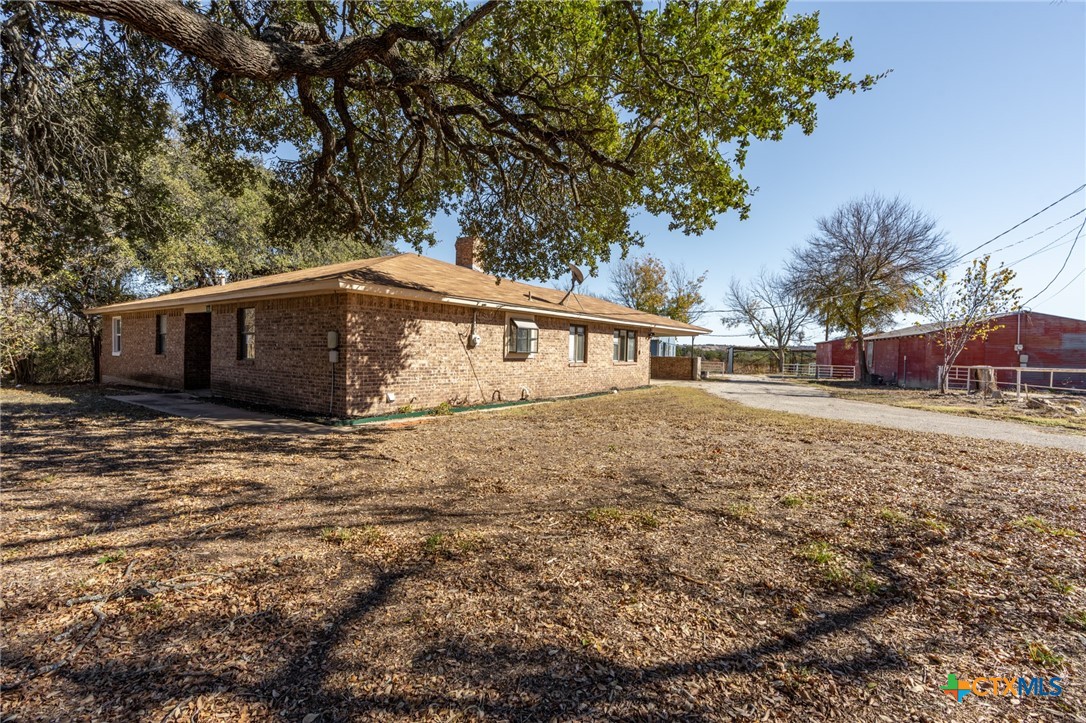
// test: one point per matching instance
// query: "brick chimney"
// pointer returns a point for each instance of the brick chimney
(468, 252)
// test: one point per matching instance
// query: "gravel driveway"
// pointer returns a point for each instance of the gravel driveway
(782, 396)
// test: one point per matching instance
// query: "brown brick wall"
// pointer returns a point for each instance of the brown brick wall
(412, 349)
(291, 367)
(672, 367)
(138, 364)
(417, 351)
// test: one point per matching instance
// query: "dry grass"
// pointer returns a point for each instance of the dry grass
(659, 551)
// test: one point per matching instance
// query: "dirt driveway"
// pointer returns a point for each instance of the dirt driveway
(782, 396)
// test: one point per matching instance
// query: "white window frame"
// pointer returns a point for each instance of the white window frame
(115, 335)
(573, 335)
(516, 324)
(620, 352)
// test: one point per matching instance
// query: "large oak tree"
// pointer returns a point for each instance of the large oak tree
(860, 268)
(540, 126)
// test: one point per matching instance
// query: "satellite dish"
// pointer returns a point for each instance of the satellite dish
(578, 276)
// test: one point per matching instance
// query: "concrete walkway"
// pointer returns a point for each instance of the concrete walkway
(180, 404)
(809, 400)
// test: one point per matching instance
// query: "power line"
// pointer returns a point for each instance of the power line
(1062, 266)
(1063, 289)
(1053, 244)
(1040, 233)
(728, 336)
(1020, 223)
(952, 263)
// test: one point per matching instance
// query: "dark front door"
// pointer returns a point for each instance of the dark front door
(198, 351)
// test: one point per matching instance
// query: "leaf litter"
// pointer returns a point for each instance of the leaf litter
(627, 556)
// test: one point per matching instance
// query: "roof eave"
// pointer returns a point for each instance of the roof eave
(434, 297)
(341, 284)
(159, 302)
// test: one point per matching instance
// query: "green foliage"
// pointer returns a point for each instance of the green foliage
(834, 571)
(893, 516)
(541, 126)
(641, 284)
(1032, 522)
(111, 557)
(740, 510)
(434, 543)
(195, 232)
(1061, 586)
(337, 535)
(935, 525)
(820, 553)
(1043, 655)
(21, 329)
(685, 302)
(613, 516)
(443, 409)
(67, 359)
(605, 514)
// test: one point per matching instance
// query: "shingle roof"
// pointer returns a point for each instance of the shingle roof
(416, 276)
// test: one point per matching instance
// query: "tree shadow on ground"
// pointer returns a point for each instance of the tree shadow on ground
(496, 674)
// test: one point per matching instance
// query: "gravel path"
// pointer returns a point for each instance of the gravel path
(782, 396)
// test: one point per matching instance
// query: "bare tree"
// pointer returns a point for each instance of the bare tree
(858, 270)
(768, 306)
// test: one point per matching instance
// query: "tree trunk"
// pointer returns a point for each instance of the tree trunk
(23, 369)
(228, 50)
(95, 336)
(861, 358)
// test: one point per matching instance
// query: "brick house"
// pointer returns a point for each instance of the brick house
(911, 356)
(368, 337)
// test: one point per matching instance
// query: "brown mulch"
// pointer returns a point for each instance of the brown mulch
(653, 554)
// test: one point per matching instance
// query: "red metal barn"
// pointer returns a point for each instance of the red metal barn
(911, 357)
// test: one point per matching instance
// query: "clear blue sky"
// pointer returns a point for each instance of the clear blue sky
(981, 124)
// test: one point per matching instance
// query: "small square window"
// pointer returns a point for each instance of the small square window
(523, 336)
(247, 333)
(116, 336)
(160, 334)
(578, 337)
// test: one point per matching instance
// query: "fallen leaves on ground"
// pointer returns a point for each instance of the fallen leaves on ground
(653, 554)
